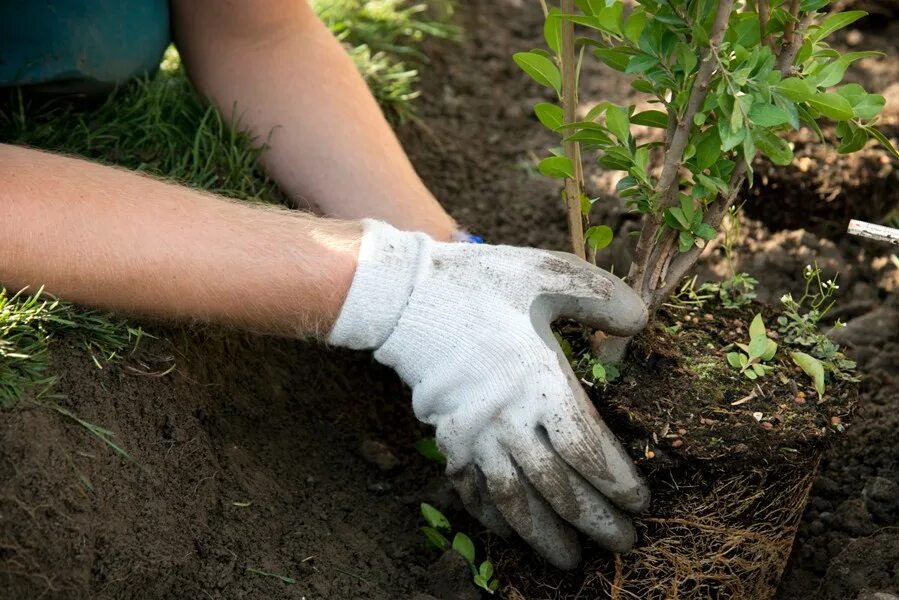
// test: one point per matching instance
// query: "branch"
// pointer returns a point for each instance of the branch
(573, 185)
(789, 51)
(668, 185)
(764, 16)
(787, 41)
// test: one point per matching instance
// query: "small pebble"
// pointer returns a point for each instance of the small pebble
(650, 455)
(835, 420)
(677, 443)
(767, 425)
(682, 431)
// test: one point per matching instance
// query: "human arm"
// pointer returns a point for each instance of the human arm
(278, 69)
(114, 239)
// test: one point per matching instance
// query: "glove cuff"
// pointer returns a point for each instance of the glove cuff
(388, 267)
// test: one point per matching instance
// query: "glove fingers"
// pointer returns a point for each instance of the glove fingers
(529, 515)
(472, 488)
(580, 437)
(595, 297)
(571, 496)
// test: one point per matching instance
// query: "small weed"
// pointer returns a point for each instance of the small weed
(799, 325)
(735, 292)
(427, 447)
(704, 369)
(759, 351)
(482, 575)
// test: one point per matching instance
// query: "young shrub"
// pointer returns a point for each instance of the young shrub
(729, 79)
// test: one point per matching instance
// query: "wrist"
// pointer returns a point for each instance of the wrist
(387, 268)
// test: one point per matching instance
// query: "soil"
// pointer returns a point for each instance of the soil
(286, 458)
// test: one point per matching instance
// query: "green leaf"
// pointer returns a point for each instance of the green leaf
(812, 5)
(759, 369)
(869, 106)
(767, 115)
(757, 327)
(686, 57)
(599, 236)
(832, 105)
(634, 25)
(613, 57)
(599, 372)
(540, 68)
(435, 538)
(884, 140)
(464, 546)
(733, 359)
(836, 22)
(552, 30)
(486, 570)
(831, 74)
(770, 351)
(590, 7)
(549, 114)
(751, 374)
(618, 123)
(680, 217)
(854, 139)
(610, 17)
(427, 447)
(773, 147)
(794, 88)
(434, 517)
(812, 367)
(758, 345)
(685, 241)
(705, 231)
(640, 63)
(708, 149)
(558, 167)
(651, 118)
(641, 85)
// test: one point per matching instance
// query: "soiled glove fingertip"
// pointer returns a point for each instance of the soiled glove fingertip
(634, 500)
(566, 558)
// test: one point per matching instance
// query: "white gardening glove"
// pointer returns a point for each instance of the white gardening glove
(467, 326)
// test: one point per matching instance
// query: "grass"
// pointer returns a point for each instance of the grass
(31, 323)
(160, 126)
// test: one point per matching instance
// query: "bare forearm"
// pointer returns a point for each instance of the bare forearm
(114, 239)
(291, 83)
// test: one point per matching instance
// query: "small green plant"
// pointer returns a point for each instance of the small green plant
(761, 349)
(427, 447)
(482, 575)
(799, 325)
(735, 292)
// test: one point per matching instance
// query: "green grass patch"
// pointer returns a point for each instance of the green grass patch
(31, 323)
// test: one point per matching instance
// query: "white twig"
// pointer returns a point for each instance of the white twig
(874, 232)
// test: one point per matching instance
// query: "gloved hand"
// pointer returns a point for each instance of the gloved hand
(467, 326)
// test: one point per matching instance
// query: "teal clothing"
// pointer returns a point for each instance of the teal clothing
(101, 42)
